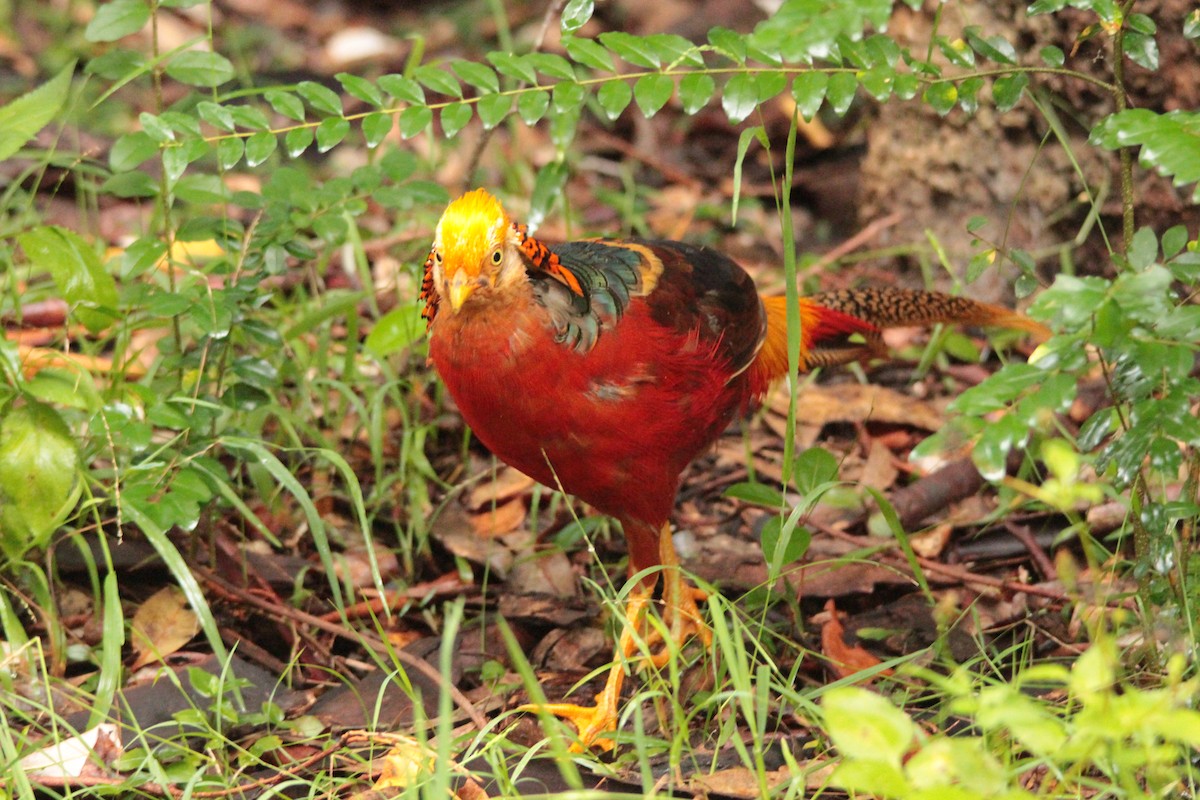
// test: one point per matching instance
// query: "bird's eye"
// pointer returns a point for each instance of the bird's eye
(437, 257)
(497, 257)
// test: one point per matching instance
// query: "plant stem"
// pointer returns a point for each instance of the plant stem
(1121, 97)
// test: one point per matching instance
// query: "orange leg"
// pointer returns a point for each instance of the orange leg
(680, 613)
(593, 722)
(682, 619)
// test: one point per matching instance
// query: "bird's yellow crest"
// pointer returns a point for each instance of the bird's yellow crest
(470, 230)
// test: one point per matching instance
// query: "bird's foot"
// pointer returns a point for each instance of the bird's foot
(594, 724)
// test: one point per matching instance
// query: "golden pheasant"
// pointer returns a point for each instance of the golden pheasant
(604, 367)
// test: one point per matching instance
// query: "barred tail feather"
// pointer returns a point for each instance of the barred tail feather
(842, 326)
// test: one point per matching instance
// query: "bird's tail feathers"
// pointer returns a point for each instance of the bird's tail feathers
(842, 326)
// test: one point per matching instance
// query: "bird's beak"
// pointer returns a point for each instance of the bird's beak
(460, 290)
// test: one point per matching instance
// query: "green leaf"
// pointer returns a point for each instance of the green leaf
(1170, 142)
(22, 118)
(297, 140)
(768, 85)
(740, 97)
(968, 94)
(809, 91)
(906, 86)
(402, 88)
(1143, 249)
(395, 331)
(321, 98)
(230, 152)
(512, 66)
(376, 127)
(780, 551)
(994, 48)
(652, 92)
(117, 19)
(729, 43)
(531, 106)
(1053, 56)
(941, 96)
(588, 53)
(1007, 89)
(330, 133)
(866, 727)
(631, 48)
(613, 98)
(77, 272)
(814, 467)
(214, 114)
(744, 140)
(1174, 239)
(260, 146)
(551, 64)
(438, 80)
(674, 50)
(757, 493)
(480, 76)
(454, 118)
(957, 53)
(361, 88)
(695, 90)
(840, 93)
(413, 120)
(200, 68)
(1141, 49)
(547, 189)
(1191, 25)
(493, 108)
(568, 96)
(576, 14)
(878, 81)
(39, 485)
(285, 103)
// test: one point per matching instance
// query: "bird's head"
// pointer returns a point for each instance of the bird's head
(475, 248)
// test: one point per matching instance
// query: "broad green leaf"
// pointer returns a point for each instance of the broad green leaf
(576, 14)
(22, 118)
(481, 76)
(768, 85)
(1191, 25)
(866, 727)
(214, 114)
(1143, 249)
(413, 120)
(1170, 142)
(1053, 56)
(614, 97)
(376, 127)
(809, 91)
(493, 108)
(513, 66)
(1142, 49)
(402, 88)
(244, 116)
(200, 68)
(878, 81)
(993, 48)
(260, 146)
(230, 152)
(77, 272)
(588, 53)
(285, 103)
(956, 52)
(814, 467)
(695, 90)
(297, 140)
(968, 94)
(361, 88)
(1007, 89)
(117, 19)
(1174, 239)
(672, 49)
(941, 96)
(652, 92)
(756, 493)
(395, 330)
(39, 484)
(840, 92)
(547, 189)
(568, 97)
(438, 80)
(330, 133)
(552, 65)
(532, 106)
(740, 97)
(728, 43)
(321, 98)
(780, 551)
(631, 48)
(454, 118)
